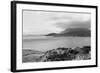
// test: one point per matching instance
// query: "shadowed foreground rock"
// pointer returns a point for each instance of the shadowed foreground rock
(63, 54)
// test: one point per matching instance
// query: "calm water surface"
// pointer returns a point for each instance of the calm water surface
(44, 43)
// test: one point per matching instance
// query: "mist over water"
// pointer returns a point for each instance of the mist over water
(44, 43)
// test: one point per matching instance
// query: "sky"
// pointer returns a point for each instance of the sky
(45, 22)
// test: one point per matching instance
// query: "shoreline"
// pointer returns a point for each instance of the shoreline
(58, 54)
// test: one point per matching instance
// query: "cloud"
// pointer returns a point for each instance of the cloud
(74, 24)
(41, 22)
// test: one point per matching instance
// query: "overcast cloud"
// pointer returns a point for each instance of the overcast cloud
(40, 22)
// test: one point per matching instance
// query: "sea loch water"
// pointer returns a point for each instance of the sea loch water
(44, 43)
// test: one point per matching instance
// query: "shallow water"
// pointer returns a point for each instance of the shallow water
(48, 43)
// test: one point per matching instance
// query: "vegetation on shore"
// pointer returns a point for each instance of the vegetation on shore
(63, 54)
(60, 54)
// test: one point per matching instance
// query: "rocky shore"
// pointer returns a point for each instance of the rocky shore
(59, 54)
(64, 54)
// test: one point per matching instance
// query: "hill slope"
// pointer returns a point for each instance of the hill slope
(82, 32)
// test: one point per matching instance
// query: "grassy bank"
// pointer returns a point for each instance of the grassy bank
(58, 54)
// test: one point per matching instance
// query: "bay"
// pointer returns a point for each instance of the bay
(45, 43)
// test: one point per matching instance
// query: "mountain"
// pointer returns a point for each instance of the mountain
(82, 32)
(51, 34)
